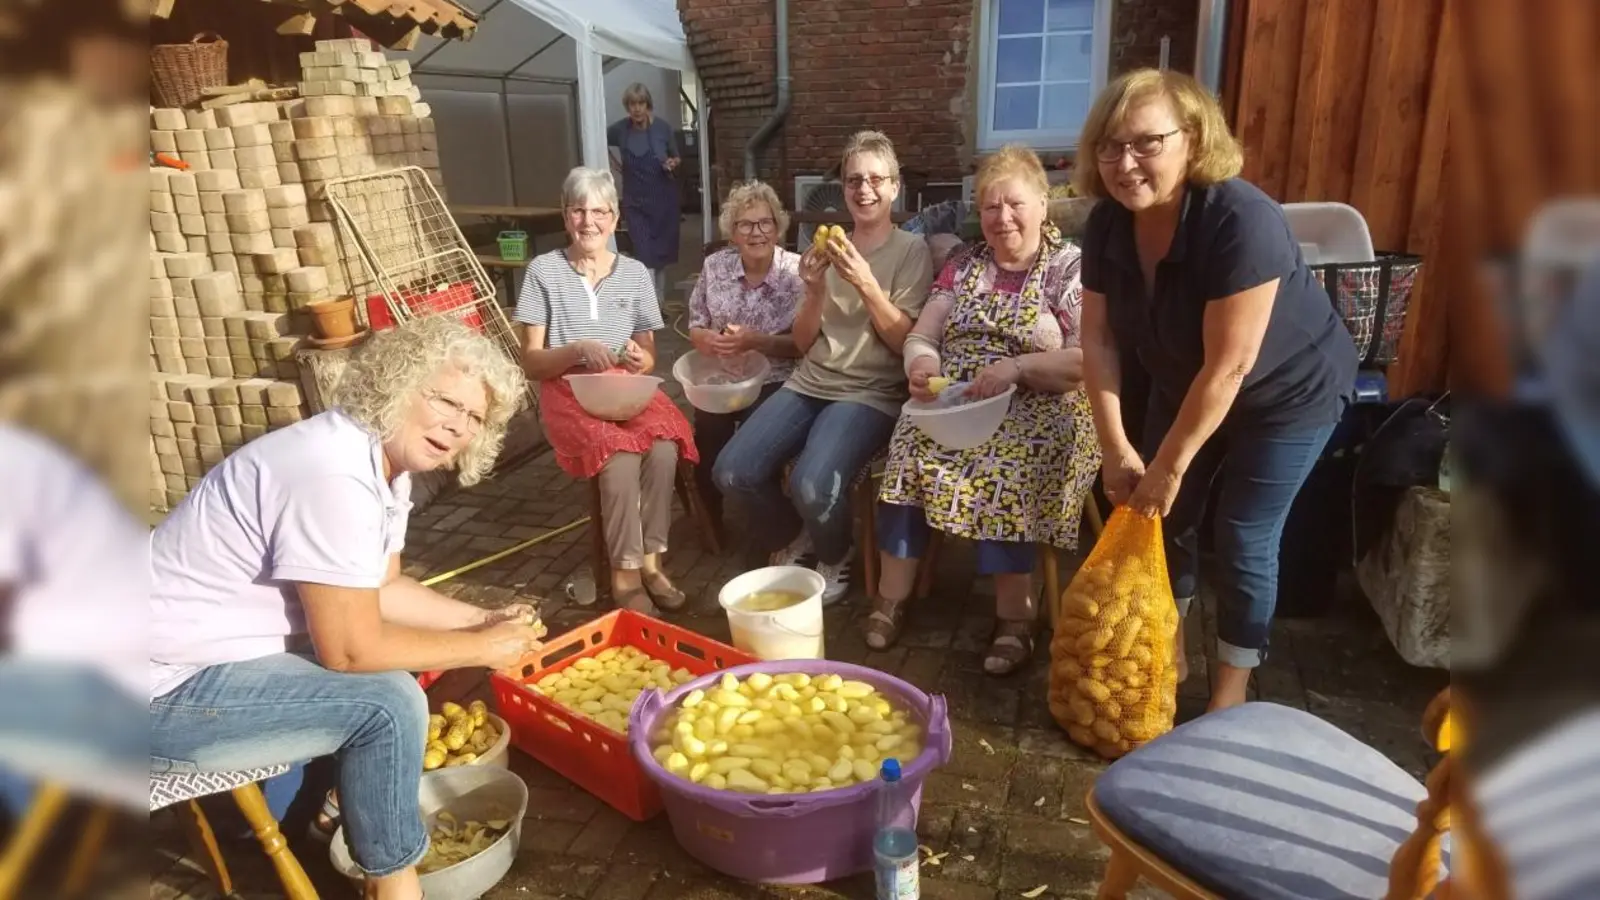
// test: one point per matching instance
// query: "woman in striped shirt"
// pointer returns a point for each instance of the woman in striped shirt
(579, 303)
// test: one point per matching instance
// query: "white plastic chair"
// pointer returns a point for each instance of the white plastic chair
(1330, 232)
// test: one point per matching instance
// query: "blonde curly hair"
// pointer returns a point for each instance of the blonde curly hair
(386, 374)
(745, 195)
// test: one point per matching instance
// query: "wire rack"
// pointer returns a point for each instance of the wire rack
(414, 255)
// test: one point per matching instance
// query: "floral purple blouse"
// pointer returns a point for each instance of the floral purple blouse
(721, 298)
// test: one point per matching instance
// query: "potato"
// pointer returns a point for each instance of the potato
(602, 688)
(786, 734)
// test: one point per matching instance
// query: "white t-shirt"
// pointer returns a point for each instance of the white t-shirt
(307, 503)
(74, 560)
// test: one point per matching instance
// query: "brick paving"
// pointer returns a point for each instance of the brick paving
(1011, 798)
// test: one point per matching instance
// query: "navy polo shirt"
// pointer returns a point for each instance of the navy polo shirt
(1230, 237)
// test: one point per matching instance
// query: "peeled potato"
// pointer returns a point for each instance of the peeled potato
(784, 734)
(602, 687)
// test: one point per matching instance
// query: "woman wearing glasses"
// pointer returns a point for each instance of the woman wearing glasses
(281, 627)
(745, 300)
(588, 309)
(836, 412)
(645, 154)
(1250, 367)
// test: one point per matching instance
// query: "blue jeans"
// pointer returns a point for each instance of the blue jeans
(903, 533)
(285, 709)
(834, 441)
(69, 724)
(1261, 471)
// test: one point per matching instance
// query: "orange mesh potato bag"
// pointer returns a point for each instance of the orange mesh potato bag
(1113, 684)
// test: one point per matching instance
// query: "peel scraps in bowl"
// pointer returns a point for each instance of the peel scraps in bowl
(453, 841)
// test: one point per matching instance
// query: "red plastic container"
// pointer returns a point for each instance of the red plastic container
(457, 298)
(593, 756)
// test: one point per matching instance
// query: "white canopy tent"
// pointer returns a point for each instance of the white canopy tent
(552, 53)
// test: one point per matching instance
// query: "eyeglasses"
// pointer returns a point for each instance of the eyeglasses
(1144, 146)
(747, 226)
(451, 410)
(579, 212)
(854, 182)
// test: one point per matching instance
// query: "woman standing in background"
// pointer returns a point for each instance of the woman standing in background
(649, 157)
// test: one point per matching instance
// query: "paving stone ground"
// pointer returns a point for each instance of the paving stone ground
(1011, 798)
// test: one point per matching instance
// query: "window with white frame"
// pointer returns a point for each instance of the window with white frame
(1042, 63)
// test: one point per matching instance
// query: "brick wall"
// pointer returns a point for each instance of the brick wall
(1137, 27)
(905, 67)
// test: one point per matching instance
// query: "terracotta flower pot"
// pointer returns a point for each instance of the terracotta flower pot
(334, 318)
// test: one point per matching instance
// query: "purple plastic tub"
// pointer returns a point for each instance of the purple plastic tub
(790, 838)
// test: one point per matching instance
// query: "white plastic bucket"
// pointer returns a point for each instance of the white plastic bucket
(794, 632)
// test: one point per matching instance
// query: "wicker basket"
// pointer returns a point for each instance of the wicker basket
(180, 72)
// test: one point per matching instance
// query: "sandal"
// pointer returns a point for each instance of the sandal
(664, 594)
(637, 600)
(1011, 648)
(327, 820)
(884, 624)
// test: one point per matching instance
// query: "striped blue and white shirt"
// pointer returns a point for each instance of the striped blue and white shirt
(554, 295)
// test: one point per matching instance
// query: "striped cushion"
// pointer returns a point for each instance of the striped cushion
(166, 790)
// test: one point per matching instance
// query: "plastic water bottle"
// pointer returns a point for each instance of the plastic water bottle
(894, 845)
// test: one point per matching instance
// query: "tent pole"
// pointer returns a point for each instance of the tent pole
(708, 192)
(511, 162)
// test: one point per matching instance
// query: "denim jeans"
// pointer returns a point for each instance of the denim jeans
(712, 432)
(1261, 471)
(285, 709)
(903, 533)
(71, 725)
(834, 440)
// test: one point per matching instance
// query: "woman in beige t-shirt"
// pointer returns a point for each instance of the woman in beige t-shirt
(836, 413)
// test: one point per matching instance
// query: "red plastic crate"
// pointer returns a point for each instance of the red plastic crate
(586, 752)
(460, 296)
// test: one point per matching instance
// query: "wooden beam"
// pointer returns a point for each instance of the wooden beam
(301, 24)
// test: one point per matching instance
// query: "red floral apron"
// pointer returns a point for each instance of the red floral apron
(583, 443)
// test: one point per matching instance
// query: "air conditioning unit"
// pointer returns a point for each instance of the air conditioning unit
(816, 193)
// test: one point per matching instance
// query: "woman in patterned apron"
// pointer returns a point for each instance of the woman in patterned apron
(649, 154)
(1002, 313)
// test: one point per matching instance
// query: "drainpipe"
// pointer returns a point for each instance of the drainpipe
(1211, 35)
(752, 150)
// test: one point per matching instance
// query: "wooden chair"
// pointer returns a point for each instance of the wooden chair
(1047, 558)
(688, 495)
(1265, 801)
(171, 790)
(18, 854)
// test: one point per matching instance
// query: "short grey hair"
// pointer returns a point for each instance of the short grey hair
(872, 143)
(584, 184)
(745, 195)
(386, 374)
(640, 93)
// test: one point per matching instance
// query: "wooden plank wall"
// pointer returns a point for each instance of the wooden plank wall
(1348, 101)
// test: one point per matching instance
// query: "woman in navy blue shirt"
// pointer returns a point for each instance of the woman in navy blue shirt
(1249, 366)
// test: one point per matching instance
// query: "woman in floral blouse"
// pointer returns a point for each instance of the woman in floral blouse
(745, 300)
(1003, 312)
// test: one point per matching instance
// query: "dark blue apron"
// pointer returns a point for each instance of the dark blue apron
(649, 201)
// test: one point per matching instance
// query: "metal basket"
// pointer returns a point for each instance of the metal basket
(1371, 298)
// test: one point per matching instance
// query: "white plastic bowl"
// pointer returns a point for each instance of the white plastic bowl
(613, 396)
(721, 385)
(471, 794)
(961, 427)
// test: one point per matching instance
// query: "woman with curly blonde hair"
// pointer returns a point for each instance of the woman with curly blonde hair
(745, 300)
(281, 628)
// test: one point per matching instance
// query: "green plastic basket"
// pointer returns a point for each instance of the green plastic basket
(514, 246)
